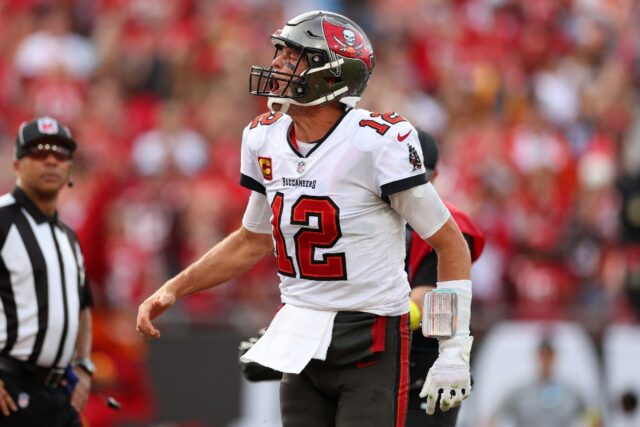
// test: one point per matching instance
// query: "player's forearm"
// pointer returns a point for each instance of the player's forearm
(83, 343)
(454, 258)
(233, 256)
(454, 273)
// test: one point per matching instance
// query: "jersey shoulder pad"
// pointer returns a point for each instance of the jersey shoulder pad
(257, 132)
(265, 119)
(388, 127)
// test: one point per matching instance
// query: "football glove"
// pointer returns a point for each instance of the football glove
(253, 371)
(450, 377)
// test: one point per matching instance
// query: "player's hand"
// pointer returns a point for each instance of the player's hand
(151, 308)
(450, 375)
(7, 405)
(80, 394)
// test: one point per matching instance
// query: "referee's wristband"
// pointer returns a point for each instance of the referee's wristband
(86, 364)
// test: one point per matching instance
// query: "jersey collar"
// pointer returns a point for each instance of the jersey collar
(35, 212)
(293, 143)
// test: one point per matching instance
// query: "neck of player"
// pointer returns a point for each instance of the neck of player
(313, 123)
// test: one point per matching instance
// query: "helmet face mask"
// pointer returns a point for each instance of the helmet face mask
(339, 57)
(279, 84)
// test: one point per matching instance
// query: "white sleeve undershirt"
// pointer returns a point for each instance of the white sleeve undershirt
(257, 215)
(422, 208)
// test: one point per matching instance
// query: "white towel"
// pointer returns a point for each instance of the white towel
(294, 337)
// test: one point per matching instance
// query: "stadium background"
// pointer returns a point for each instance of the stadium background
(535, 105)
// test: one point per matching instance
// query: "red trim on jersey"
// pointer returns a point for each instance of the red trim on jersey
(419, 249)
(292, 137)
(378, 331)
(365, 364)
(403, 374)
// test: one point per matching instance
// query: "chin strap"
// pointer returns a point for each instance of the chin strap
(284, 103)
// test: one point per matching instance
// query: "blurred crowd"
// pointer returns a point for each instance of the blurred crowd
(535, 105)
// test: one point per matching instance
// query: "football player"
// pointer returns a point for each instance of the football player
(332, 188)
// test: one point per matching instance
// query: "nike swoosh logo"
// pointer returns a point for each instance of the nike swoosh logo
(403, 137)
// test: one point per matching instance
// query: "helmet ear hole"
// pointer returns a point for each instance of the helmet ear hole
(316, 59)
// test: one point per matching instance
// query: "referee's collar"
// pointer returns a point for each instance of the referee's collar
(39, 216)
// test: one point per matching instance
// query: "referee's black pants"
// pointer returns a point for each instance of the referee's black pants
(38, 405)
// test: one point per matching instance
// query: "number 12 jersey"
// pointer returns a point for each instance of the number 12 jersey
(339, 245)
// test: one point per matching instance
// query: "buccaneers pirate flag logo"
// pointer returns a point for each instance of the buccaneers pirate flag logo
(347, 42)
(414, 158)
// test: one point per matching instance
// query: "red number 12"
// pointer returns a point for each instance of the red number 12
(332, 266)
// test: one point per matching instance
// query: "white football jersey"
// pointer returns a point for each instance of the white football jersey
(339, 244)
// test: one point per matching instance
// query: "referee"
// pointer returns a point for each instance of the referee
(45, 316)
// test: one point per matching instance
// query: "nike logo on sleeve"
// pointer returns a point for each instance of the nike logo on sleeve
(403, 137)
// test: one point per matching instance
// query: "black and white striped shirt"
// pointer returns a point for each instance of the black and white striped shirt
(42, 284)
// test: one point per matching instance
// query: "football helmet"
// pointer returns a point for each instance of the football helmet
(339, 55)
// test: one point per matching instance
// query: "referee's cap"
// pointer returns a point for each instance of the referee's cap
(430, 152)
(41, 128)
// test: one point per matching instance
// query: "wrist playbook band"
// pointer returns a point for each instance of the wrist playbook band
(447, 310)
